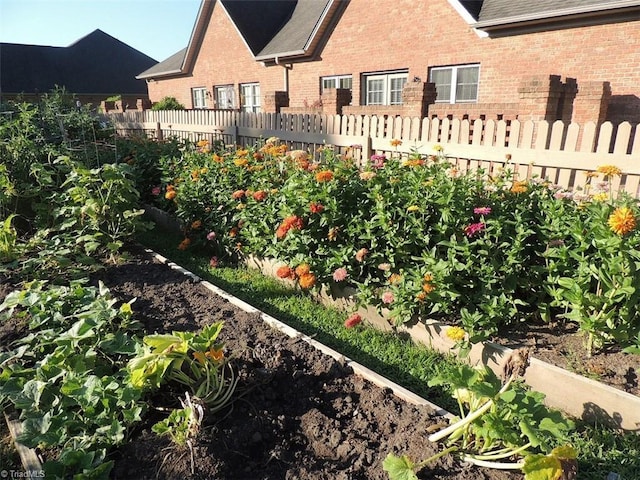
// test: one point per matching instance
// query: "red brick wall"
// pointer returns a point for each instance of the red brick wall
(378, 35)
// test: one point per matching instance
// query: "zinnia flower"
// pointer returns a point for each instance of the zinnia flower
(211, 236)
(196, 224)
(259, 195)
(385, 267)
(285, 272)
(395, 278)
(353, 320)
(316, 207)
(609, 170)
(170, 195)
(622, 221)
(307, 280)
(395, 142)
(471, 230)
(387, 297)
(413, 208)
(303, 269)
(155, 191)
(324, 176)
(340, 274)
(238, 194)
(184, 244)
(482, 210)
(367, 175)
(213, 262)
(456, 334)
(333, 233)
(360, 254)
(290, 223)
(519, 187)
(377, 161)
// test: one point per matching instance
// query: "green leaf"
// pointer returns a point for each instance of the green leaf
(542, 467)
(399, 468)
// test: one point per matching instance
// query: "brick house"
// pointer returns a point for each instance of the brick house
(574, 60)
(93, 68)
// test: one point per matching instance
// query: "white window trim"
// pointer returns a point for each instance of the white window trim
(195, 98)
(230, 93)
(454, 82)
(386, 77)
(254, 106)
(336, 79)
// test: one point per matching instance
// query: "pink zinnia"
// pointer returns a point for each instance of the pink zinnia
(340, 274)
(211, 236)
(377, 161)
(471, 230)
(213, 263)
(155, 191)
(353, 320)
(387, 297)
(482, 210)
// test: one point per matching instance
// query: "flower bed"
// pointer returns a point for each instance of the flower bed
(417, 237)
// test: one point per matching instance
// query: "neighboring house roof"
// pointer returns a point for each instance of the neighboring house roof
(95, 64)
(496, 14)
(172, 65)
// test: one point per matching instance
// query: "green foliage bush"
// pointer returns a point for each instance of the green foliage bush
(168, 103)
(418, 238)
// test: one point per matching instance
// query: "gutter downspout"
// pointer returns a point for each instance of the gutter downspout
(285, 78)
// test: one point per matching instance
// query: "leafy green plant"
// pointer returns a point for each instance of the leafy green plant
(8, 240)
(67, 378)
(195, 361)
(498, 421)
(168, 103)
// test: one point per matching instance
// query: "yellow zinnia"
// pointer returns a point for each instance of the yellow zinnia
(609, 170)
(456, 334)
(622, 221)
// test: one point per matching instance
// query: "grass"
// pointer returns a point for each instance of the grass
(600, 450)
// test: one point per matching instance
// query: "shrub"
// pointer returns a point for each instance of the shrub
(168, 103)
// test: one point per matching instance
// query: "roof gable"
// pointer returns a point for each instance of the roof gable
(95, 64)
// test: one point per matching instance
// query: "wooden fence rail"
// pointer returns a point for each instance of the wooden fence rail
(556, 151)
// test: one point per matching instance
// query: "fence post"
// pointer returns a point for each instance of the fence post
(159, 136)
(366, 150)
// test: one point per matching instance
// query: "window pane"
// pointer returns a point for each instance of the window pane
(467, 84)
(442, 79)
(346, 82)
(395, 90)
(375, 91)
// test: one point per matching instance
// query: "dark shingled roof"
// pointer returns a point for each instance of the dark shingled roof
(296, 35)
(173, 64)
(495, 12)
(96, 64)
(259, 20)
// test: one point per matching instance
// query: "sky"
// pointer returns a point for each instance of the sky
(157, 28)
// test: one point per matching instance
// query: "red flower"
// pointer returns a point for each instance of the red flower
(238, 194)
(353, 320)
(259, 195)
(316, 207)
(290, 223)
(285, 272)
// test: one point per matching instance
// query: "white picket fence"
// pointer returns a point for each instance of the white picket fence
(559, 152)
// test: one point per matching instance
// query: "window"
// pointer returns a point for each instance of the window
(384, 88)
(337, 81)
(457, 84)
(250, 94)
(199, 97)
(225, 97)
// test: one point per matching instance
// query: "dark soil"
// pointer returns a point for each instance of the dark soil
(299, 414)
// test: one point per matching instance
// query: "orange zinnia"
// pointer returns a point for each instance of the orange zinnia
(622, 221)
(324, 176)
(307, 280)
(303, 269)
(285, 272)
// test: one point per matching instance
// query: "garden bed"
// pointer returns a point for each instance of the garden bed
(301, 413)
